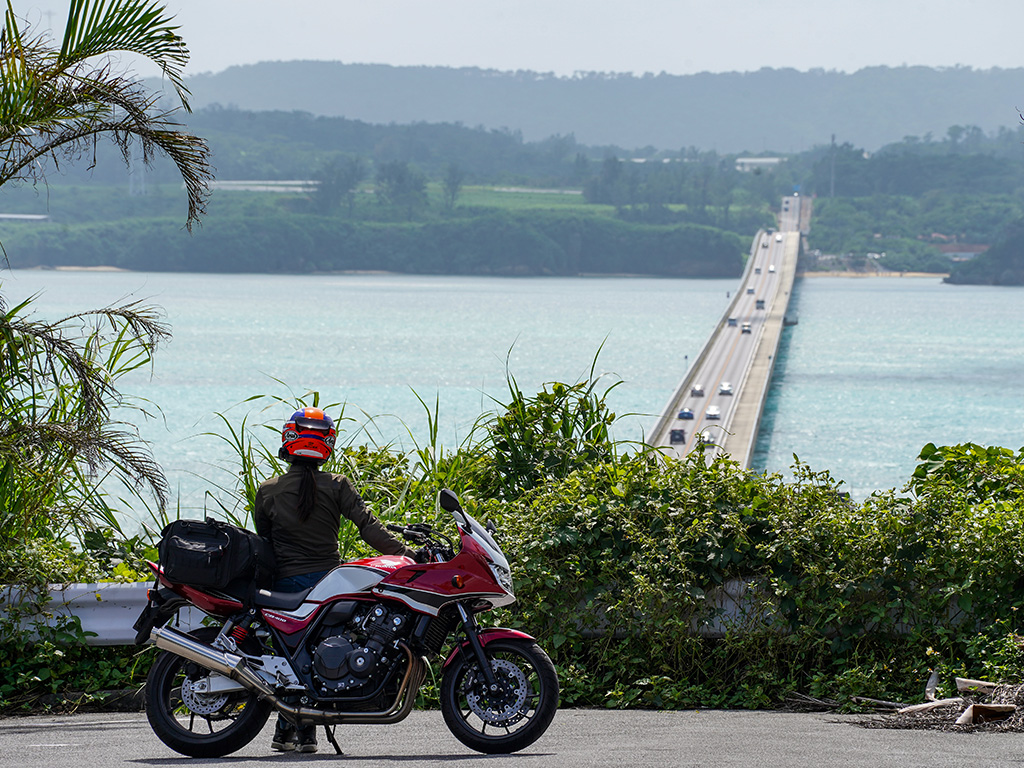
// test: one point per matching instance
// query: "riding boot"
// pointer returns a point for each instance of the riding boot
(305, 739)
(284, 737)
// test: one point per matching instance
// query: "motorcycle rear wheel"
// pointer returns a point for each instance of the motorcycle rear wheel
(199, 725)
(514, 716)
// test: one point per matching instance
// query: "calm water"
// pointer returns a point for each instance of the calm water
(878, 367)
(874, 370)
(375, 342)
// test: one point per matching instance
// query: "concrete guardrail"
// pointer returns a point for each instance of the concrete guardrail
(106, 610)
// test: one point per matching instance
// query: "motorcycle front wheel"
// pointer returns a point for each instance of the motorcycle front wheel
(194, 723)
(514, 715)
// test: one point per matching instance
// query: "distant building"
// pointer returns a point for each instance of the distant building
(264, 186)
(962, 251)
(24, 217)
(747, 164)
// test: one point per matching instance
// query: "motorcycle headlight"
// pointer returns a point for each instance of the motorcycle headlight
(503, 576)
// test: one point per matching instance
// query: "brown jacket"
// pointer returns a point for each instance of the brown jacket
(311, 546)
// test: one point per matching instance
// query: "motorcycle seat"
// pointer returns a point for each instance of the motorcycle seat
(281, 601)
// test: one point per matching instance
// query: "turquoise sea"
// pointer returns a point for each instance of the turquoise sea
(875, 368)
(878, 367)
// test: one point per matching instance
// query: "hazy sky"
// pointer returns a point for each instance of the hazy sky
(566, 36)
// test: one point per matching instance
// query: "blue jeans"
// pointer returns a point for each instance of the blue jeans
(298, 582)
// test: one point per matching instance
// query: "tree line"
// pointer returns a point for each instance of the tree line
(493, 244)
(961, 186)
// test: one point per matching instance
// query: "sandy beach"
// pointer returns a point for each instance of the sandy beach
(100, 268)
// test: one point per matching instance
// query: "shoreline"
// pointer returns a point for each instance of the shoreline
(82, 269)
(829, 273)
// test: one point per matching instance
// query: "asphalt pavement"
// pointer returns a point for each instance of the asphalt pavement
(577, 739)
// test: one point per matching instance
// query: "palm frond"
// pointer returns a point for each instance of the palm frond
(58, 104)
(59, 440)
(100, 28)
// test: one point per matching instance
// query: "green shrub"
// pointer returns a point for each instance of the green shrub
(53, 668)
(619, 563)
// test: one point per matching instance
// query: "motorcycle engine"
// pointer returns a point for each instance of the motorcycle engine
(360, 651)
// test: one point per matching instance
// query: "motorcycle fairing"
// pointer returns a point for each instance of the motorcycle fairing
(469, 527)
(287, 623)
(428, 587)
(212, 604)
(388, 563)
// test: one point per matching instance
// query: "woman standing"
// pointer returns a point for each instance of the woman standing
(300, 513)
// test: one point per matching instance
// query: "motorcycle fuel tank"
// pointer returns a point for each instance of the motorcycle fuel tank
(347, 579)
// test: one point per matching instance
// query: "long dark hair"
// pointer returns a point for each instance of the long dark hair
(307, 489)
(307, 484)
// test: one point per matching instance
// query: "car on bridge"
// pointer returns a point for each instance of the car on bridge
(725, 388)
(745, 328)
(697, 390)
(677, 436)
(713, 412)
(686, 413)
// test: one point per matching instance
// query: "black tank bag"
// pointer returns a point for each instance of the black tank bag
(217, 555)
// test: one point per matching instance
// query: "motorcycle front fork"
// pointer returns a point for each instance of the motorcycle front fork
(473, 635)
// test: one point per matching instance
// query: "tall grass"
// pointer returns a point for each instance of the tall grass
(533, 440)
(62, 449)
(525, 443)
(386, 479)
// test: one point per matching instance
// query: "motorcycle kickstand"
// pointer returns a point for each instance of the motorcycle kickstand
(330, 737)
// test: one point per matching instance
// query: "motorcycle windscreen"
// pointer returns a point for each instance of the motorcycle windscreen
(482, 537)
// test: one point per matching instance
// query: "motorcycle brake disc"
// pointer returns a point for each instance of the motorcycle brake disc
(504, 706)
(201, 703)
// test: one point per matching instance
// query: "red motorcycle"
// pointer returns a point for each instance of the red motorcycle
(353, 649)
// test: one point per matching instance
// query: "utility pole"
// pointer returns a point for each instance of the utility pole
(137, 173)
(832, 172)
(49, 24)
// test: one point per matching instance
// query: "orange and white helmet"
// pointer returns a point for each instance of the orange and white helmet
(308, 434)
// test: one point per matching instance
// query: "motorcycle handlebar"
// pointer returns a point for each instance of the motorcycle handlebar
(424, 534)
(409, 533)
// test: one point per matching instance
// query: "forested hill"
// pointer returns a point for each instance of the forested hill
(769, 110)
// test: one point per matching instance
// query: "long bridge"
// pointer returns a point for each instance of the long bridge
(718, 404)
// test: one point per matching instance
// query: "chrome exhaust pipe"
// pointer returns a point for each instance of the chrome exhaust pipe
(233, 666)
(228, 664)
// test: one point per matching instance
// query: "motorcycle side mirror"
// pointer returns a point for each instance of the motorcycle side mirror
(491, 527)
(449, 501)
